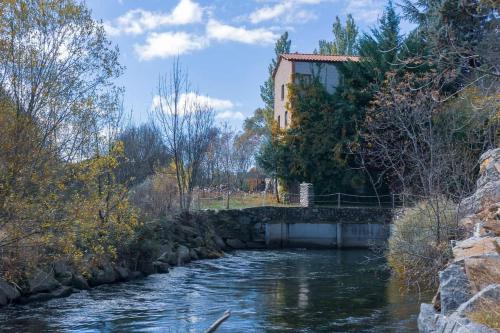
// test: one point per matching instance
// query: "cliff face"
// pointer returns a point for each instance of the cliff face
(470, 284)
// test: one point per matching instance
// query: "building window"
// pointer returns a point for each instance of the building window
(305, 79)
(286, 119)
(279, 121)
(282, 92)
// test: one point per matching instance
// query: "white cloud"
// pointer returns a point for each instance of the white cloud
(215, 103)
(268, 13)
(167, 44)
(191, 99)
(289, 9)
(138, 21)
(367, 11)
(223, 32)
(227, 115)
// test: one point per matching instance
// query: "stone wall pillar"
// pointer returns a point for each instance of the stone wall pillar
(306, 195)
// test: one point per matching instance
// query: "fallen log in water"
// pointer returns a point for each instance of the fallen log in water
(218, 322)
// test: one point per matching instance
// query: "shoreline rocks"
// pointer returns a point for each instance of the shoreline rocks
(175, 243)
(471, 282)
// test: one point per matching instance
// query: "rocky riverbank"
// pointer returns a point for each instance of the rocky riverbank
(159, 246)
(468, 299)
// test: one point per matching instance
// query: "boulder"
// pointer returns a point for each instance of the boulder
(123, 273)
(79, 282)
(429, 321)
(161, 267)
(183, 256)
(63, 273)
(212, 254)
(168, 256)
(491, 219)
(454, 288)
(481, 300)
(468, 223)
(482, 271)
(488, 184)
(471, 327)
(193, 254)
(235, 243)
(146, 267)
(61, 267)
(493, 225)
(8, 293)
(45, 296)
(427, 318)
(41, 281)
(197, 242)
(475, 246)
(103, 275)
(219, 242)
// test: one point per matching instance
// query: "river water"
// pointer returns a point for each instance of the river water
(266, 291)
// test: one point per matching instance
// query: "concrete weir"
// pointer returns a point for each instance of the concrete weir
(325, 235)
(281, 227)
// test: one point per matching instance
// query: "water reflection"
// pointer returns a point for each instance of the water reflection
(268, 291)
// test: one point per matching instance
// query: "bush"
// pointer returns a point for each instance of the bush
(158, 195)
(419, 244)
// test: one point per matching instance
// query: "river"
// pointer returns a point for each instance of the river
(266, 291)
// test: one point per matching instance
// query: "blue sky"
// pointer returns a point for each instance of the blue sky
(225, 45)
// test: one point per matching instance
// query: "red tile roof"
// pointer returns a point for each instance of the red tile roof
(317, 57)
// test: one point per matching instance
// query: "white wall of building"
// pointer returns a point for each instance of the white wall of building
(282, 78)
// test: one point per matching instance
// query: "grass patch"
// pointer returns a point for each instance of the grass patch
(488, 314)
(238, 201)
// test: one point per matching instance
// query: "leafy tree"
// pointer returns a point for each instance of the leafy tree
(102, 218)
(345, 38)
(57, 98)
(260, 123)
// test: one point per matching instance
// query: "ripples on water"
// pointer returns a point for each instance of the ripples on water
(266, 291)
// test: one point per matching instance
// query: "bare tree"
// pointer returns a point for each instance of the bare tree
(227, 157)
(186, 124)
(427, 148)
(245, 147)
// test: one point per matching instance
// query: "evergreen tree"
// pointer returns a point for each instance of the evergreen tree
(460, 40)
(378, 53)
(345, 38)
(267, 89)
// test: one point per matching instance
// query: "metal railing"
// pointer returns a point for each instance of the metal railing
(332, 200)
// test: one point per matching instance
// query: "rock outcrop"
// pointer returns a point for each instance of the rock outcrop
(454, 288)
(471, 282)
(8, 293)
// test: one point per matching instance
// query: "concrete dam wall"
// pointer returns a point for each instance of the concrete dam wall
(326, 235)
(281, 227)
